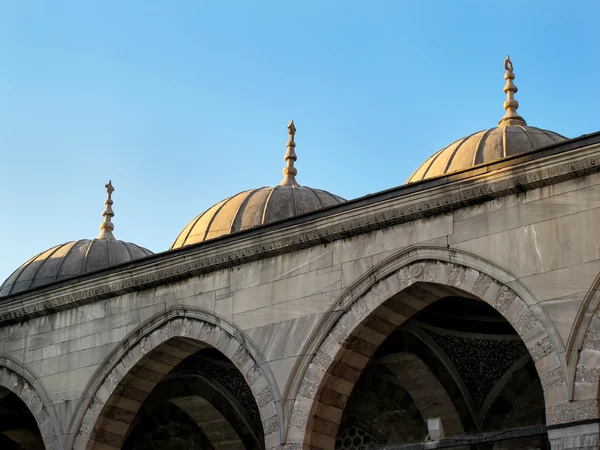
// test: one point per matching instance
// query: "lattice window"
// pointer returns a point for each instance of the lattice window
(353, 438)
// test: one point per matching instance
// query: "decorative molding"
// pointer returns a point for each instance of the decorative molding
(233, 381)
(419, 202)
(584, 442)
(480, 362)
(575, 411)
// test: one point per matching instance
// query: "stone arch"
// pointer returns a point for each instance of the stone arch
(195, 328)
(583, 358)
(187, 389)
(412, 374)
(475, 414)
(19, 380)
(501, 385)
(346, 343)
(189, 434)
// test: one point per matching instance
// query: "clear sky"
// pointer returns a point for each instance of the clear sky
(184, 103)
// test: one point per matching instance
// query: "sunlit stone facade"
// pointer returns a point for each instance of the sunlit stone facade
(458, 310)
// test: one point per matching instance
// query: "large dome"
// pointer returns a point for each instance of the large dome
(75, 258)
(511, 137)
(257, 207)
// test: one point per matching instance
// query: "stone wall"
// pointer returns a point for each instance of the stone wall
(534, 255)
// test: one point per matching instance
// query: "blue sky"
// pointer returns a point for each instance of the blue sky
(183, 103)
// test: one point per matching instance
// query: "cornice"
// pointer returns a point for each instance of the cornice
(412, 202)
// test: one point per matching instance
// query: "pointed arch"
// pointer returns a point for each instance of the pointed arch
(358, 323)
(194, 329)
(584, 338)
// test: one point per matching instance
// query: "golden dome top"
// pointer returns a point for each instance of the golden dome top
(75, 258)
(257, 207)
(511, 137)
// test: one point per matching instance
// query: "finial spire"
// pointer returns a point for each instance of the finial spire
(511, 117)
(107, 227)
(289, 171)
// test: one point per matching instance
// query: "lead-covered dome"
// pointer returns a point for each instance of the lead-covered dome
(511, 137)
(483, 147)
(75, 258)
(257, 207)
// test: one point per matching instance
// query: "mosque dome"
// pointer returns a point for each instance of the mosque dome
(511, 137)
(257, 207)
(75, 258)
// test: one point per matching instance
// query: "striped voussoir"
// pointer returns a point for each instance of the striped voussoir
(131, 377)
(372, 316)
(587, 379)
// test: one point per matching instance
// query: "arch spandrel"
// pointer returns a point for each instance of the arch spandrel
(342, 350)
(183, 331)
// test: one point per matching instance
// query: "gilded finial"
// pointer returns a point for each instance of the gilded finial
(512, 117)
(107, 227)
(289, 171)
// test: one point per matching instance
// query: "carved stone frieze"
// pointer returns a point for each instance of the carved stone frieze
(234, 382)
(552, 379)
(575, 411)
(584, 442)
(480, 362)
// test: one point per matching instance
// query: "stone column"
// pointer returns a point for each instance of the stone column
(576, 436)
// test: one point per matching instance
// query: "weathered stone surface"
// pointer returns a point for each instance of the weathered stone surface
(518, 239)
(552, 379)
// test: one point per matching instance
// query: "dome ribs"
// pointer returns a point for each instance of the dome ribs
(527, 135)
(44, 261)
(314, 192)
(241, 207)
(266, 206)
(478, 153)
(547, 133)
(60, 264)
(254, 208)
(85, 257)
(212, 219)
(127, 249)
(456, 149)
(494, 144)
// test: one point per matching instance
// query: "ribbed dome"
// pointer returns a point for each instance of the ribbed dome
(511, 137)
(75, 258)
(257, 207)
(71, 260)
(252, 208)
(484, 147)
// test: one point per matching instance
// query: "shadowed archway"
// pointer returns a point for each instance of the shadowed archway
(380, 304)
(26, 419)
(162, 349)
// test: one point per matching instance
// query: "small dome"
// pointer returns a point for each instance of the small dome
(257, 207)
(71, 260)
(511, 137)
(484, 147)
(253, 208)
(75, 258)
